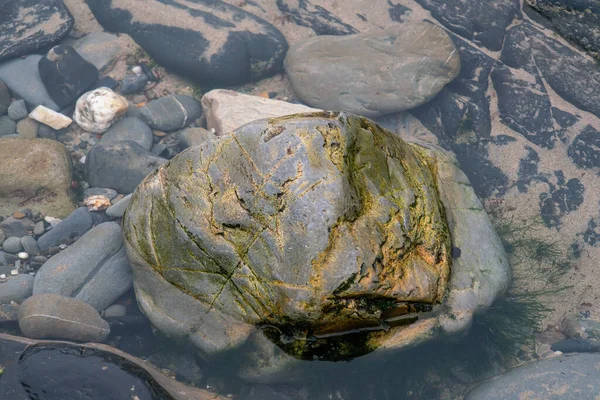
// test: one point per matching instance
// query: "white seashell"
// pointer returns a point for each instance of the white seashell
(14, 272)
(136, 70)
(97, 110)
(23, 255)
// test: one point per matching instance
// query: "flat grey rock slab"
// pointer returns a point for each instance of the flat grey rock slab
(566, 377)
(23, 79)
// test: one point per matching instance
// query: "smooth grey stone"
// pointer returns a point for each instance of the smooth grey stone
(373, 73)
(116, 310)
(158, 149)
(132, 129)
(39, 228)
(30, 245)
(54, 316)
(194, 136)
(16, 288)
(117, 210)
(96, 191)
(94, 269)
(11, 258)
(18, 110)
(31, 25)
(7, 126)
(171, 112)
(2, 236)
(76, 224)
(119, 166)
(3, 258)
(12, 245)
(23, 79)
(99, 217)
(5, 98)
(12, 226)
(566, 377)
(133, 83)
(99, 48)
(40, 259)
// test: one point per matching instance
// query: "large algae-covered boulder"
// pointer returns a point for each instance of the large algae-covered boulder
(328, 233)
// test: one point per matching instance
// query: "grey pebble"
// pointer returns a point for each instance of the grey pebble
(39, 228)
(171, 112)
(130, 128)
(28, 128)
(17, 110)
(116, 310)
(133, 83)
(158, 149)
(76, 224)
(30, 245)
(12, 245)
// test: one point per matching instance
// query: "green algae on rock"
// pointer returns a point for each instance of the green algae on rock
(327, 232)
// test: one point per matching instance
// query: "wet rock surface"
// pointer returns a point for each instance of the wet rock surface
(321, 176)
(30, 25)
(224, 44)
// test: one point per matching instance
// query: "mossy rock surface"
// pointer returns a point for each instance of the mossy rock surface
(309, 227)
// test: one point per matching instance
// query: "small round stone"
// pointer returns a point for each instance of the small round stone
(12, 245)
(23, 255)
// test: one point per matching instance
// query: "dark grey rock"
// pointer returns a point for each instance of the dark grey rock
(134, 111)
(475, 20)
(577, 346)
(4, 98)
(118, 209)
(66, 75)
(30, 245)
(28, 128)
(133, 83)
(119, 166)
(16, 288)
(12, 245)
(23, 79)
(30, 25)
(45, 132)
(17, 110)
(172, 112)
(567, 377)
(59, 317)
(132, 129)
(158, 149)
(95, 269)
(96, 191)
(76, 224)
(7, 126)
(250, 48)
(12, 226)
(3, 258)
(576, 20)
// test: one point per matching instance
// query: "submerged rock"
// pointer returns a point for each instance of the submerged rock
(209, 41)
(29, 25)
(328, 232)
(98, 109)
(373, 73)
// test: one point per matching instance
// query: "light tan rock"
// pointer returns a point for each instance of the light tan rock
(98, 109)
(227, 110)
(50, 117)
(35, 173)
